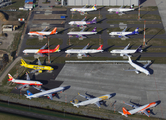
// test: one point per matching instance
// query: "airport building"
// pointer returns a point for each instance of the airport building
(102, 2)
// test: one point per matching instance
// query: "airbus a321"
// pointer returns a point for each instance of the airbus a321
(48, 93)
(124, 34)
(25, 83)
(121, 10)
(82, 34)
(42, 33)
(41, 51)
(126, 51)
(84, 51)
(138, 68)
(37, 68)
(82, 22)
(84, 9)
(91, 100)
(137, 109)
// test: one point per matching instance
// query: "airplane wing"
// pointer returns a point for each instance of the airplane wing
(146, 65)
(40, 54)
(121, 6)
(133, 106)
(126, 47)
(28, 78)
(33, 71)
(39, 63)
(44, 46)
(80, 36)
(98, 104)
(39, 89)
(85, 46)
(43, 29)
(83, 19)
(85, 6)
(22, 86)
(86, 97)
(82, 30)
(146, 113)
(49, 95)
(124, 29)
(82, 54)
(41, 36)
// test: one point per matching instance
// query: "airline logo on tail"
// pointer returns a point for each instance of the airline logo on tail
(10, 77)
(94, 30)
(57, 48)
(23, 62)
(100, 48)
(53, 31)
(125, 112)
(94, 7)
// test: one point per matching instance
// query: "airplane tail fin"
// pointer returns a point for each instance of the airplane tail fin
(94, 30)
(100, 48)
(10, 77)
(135, 31)
(23, 62)
(139, 49)
(56, 49)
(75, 103)
(94, 20)
(29, 93)
(53, 31)
(132, 6)
(94, 7)
(125, 112)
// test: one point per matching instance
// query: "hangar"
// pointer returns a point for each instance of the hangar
(102, 2)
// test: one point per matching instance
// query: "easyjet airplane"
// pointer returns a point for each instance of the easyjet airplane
(41, 51)
(137, 109)
(24, 82)
(42, 33)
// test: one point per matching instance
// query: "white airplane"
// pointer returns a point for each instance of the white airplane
(137, 109)
(82, 22)
(121, 10)
(91, 100)
(48, 93)
(126, 51)
(25, 83)
(82, 52)
(138, 68)
(82, 34)
(42, 33)
(83, 9)
(124, 34)
(41, 51)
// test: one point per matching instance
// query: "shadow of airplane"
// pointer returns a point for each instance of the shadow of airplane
(100, 32)
(145, 49)
(100, 21)
(60, 32)
(106, 49)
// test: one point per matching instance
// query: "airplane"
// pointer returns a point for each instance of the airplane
(127, 51)
(82, 52)
(124, 34)
(37, 68)
(82, 34)
(137, 109)
(42, 33)
(84, 9)
(91, 100)
(82, 22)
(25, 83)
(48, 93)
(42, 50)
(121, 10)
(138, 68)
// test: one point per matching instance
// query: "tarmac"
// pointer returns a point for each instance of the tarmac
(101, 79)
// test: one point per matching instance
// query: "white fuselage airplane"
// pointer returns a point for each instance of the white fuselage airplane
(126, 51)
(24, 82)
(124, 33)
(81, 33)
(42, 33)
(91, 100)
(84, 51)
(84, 9)
(138, 109)
(121, 10)
(138, 68)
(47, 93)
(82, 22)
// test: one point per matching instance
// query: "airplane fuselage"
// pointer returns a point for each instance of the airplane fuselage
(119, 51)
(38, 51)
(81, 33)
(25, 82)
(40, 67)
(77, 23)
(120, 9)
(39, 33)
(82, 9)
(120, 33)
(82, 51)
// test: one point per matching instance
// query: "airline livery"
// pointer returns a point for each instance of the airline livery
(138, 68)
(91, 100)
(37, 68)
(121, 10)
(82, 22)
(126, 51)
(138, 109)
(84, 9)
(41, 51)
(42, 33)
(48, 93)
(84, 51)
(82, 34)
(25, 83)
(124, 34)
